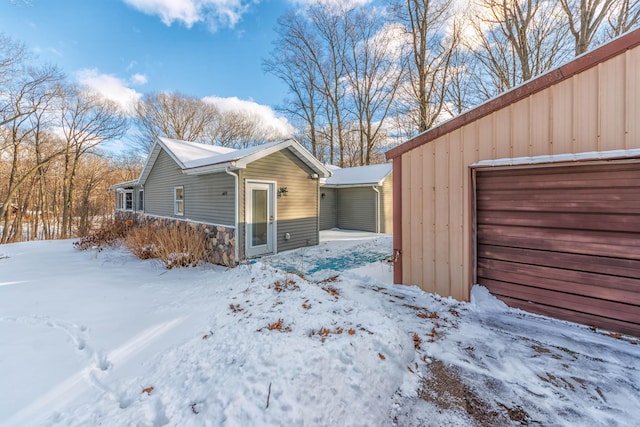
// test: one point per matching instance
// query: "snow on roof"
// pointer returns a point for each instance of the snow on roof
(196, 158)
(230, 156)
(193, 154)
(561, 158)
(125, 184)
(358, 176)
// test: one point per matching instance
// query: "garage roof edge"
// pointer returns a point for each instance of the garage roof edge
(581, 63)
(560, 158)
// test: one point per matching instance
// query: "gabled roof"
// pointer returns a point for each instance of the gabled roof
(581, 63)
(126, 184)
(197, 159)
(359, 176)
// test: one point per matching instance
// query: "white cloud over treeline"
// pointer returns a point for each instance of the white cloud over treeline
(264, 113)
(214, 13)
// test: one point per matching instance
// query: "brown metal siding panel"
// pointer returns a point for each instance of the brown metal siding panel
(407, 221)
(563, 239)
(398, 196)
(417, 226)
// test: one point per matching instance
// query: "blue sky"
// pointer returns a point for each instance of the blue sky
(204, 48)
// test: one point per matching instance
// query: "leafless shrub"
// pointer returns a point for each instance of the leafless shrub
(141, 241)
(108, 234)
(180, 246)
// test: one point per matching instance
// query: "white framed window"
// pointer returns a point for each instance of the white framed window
(124, 200)
(140, 200)
(178, 200)
(128, 200)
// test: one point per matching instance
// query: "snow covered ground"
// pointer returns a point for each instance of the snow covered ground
(105, 339)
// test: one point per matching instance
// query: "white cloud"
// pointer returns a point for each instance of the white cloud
(110, 87)
(215, 13)
(344, 4)
(266, 115)
(138, 79)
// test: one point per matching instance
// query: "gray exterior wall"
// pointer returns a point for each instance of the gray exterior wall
(328, 208)
(357, 209)
(297, 211)
(204, 195)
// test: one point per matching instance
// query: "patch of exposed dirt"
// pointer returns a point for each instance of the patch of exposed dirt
(444, 388)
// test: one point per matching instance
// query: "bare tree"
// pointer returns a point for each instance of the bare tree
(625, 14)
(293, 61)
(330, 25)
(240, 129)
(428, 58)
(516, 40)
(87, 120)
(374, 73)
(173, 115)
(27, 92)
(584, 18)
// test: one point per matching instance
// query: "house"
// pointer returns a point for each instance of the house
(534, 194)
(358, 198)
(250, 202)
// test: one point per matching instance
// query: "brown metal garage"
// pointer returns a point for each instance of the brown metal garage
(563, 241)
(580, 122)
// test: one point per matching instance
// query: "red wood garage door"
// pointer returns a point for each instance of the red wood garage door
(563, 241)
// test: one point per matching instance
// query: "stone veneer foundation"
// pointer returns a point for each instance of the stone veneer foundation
(222, 242)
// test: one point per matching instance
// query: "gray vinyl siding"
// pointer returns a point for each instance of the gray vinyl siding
(207, 198)
(386, 208)
(297, 211)
(328, 208)
(357, 209)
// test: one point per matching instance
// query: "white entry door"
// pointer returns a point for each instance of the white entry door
(260, 218)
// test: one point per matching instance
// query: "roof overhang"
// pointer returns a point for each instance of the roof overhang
(559, 159)
(581, 63)
(122, 185)
(242, 161)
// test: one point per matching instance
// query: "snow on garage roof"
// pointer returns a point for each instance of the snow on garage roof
(358, 176)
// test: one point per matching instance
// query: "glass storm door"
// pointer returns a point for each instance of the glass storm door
(260, 218)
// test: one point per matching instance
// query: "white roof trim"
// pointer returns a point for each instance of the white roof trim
(217, 159)
(241, 158)
(132, 183)
(560, 158)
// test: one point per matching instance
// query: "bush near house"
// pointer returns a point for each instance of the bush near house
(180, 245)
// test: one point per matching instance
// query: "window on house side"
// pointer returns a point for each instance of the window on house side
(128, 200)
(178, 199)
(141, 200)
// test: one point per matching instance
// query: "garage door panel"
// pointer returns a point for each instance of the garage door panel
(610, 309)
(574, 316)
(564, 240)
(602, 180)
(585, 221)
(575, 195)
(594, 264)
(622, 245)
(569, 281)
(595, 207)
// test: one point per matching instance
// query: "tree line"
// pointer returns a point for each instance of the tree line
(363, 76)
(359, 78)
